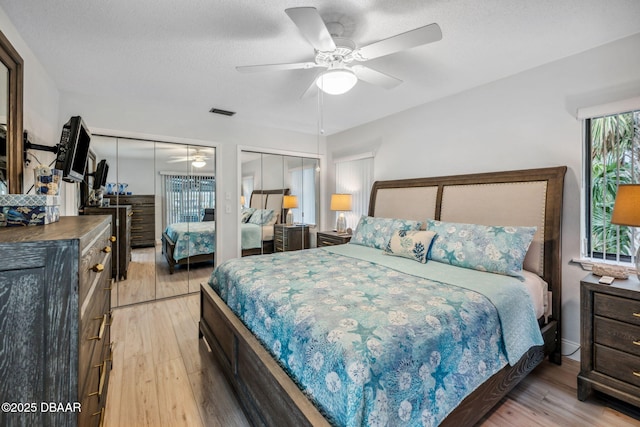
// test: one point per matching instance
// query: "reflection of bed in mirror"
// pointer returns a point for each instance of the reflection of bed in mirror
(186, 243)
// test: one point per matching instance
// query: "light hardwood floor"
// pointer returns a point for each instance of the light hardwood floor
(148, 278)
(163, 375)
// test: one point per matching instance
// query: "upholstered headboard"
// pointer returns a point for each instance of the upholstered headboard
(269, 199)
(527, 197)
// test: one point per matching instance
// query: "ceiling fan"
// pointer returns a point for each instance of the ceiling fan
(341, 57)
(198, 158)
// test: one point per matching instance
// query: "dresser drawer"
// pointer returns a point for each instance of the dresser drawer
(618, 335)
(613, 307)
(92, 261)
(94, 396)
(94, 333)
(617, 364)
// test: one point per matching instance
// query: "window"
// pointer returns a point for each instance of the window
(613, 158)
(355, 177)
(186, 197)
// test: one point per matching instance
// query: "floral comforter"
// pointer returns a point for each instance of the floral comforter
(370, 338)
(197, 238)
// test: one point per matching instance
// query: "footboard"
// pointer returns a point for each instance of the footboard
(167, 249)
(268, 395)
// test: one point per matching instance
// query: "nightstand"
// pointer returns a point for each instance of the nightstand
(610, 339)
(331, 238)
(290, 237)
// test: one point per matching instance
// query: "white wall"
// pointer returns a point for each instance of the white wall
(40, 98)
(524, 121)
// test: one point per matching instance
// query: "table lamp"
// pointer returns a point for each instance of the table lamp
(289, 202)
(341, 203)
(626, 211)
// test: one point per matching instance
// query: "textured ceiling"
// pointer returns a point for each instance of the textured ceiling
(184, 53)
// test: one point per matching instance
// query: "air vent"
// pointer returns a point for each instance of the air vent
(222, 112)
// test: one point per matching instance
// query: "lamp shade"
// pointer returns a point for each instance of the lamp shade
(626, 210)
(341, 202)
(290, 202)
(198, 163)
(336, 81)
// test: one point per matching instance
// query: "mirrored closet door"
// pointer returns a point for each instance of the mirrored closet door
(285, 189)
(162, 200)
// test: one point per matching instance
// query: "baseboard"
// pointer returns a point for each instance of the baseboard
(571, 350)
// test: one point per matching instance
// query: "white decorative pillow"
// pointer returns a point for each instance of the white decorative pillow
(413, 244)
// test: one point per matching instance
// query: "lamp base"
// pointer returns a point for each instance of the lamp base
(341, 224)
(289, 217)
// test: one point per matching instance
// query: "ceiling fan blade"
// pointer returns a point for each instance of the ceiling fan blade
(312, 27)
(177, 160)
(312, 90)
(423, 35)
(375, 77)
(276, 67)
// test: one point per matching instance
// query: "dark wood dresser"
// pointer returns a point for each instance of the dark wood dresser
(331, 238)
(54, 321)
(290, 237)
(610, 339)
(143, 221)
(121, 229)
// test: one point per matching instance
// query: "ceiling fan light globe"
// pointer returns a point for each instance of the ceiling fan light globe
(198, 163)
(337, 81)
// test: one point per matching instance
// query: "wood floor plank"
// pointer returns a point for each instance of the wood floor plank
(175, 397)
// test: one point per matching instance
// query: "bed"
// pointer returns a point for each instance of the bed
(193, 242)
(271, 397)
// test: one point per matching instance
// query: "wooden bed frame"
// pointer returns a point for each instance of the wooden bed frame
(168, 245)
(269, 397)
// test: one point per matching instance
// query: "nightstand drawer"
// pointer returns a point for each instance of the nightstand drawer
(618, 335)
(617, 364)
(331, 238)
(613, 307)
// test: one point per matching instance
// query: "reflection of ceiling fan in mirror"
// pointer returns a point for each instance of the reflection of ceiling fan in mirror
(198, 158)
(341, 56)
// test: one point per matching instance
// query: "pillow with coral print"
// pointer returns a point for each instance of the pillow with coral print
(494, 249)
(412, 244)
(375, 232)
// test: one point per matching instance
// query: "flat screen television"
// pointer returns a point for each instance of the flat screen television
(100, 175)
(73, 150)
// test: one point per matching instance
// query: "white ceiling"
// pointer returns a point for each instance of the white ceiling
(184, 53)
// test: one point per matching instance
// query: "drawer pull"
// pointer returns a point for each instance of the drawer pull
(113, 238)
(637, 342)
(101, 413)
(102, 327)
(636, 373)
(130, 214)
(636, 314)
(103, 377)
(98, 268)
(106, 249)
